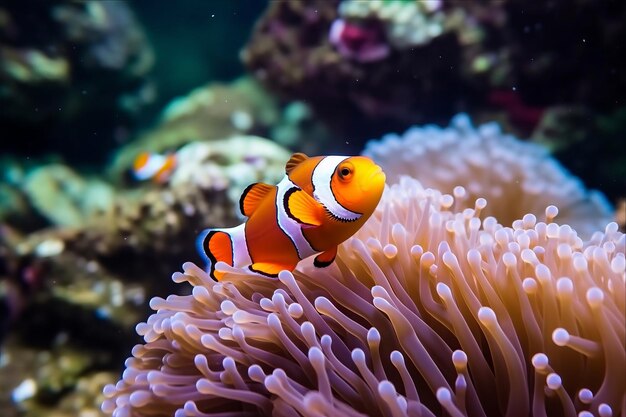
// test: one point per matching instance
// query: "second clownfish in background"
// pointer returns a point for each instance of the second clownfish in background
(154, 166)
(320, 203)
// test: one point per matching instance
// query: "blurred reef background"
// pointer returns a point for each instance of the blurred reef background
(228, 90)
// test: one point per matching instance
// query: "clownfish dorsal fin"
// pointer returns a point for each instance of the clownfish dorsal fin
(295, 160)
(303, 208)
(252, 197)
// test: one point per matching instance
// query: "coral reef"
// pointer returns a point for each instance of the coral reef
(218, 111)
(367, 67)
(41, 377)
(516, 177)
(36, 194)
(68, 319)
(291, 53)
(159, 221)
(494, 286)
(72, 295)
(65, 198)
(368, 31)
(590, 143)
(94, 218)
(230, 164)
(73, 291)
(14, 206)
(428, 308)
(85, 66)
(142, 233)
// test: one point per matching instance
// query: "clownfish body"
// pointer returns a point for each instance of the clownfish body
(154, 166)
(320, 203)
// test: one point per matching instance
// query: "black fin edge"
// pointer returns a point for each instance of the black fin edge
(286, 206)
(243, 197)
(213, 260)
(262, 273)
(321, 264)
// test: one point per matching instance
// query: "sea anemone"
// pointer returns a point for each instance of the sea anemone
(427, 308)
(516, 177)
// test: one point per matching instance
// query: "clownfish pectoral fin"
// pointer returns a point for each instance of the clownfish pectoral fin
(269, 269)
(303, 208)
(218, 247)
(295, 160)
(252, 197)
(325, 258)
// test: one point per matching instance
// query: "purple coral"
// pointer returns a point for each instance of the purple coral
(363, 42)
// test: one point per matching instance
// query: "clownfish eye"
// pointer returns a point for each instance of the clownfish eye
(344, 172)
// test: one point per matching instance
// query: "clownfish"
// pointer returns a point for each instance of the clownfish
(154, 166)
(320, 203)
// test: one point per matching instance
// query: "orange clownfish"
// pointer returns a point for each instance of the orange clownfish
(320, 203)
(154, 166)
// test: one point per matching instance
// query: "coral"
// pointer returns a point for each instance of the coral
(214, 111)
(154, 222)
(571, 132)
(516, 177)
(427, 308)
(71, 295)
(298, 129)
(83, 70)
(291, 53)
(67, 318)
(73, 292)
(64, 197)
(14, 206)
(367, 67)
(230, 164)
(95, 218)
(109, 35)
(154, 226)
(217, 111)
(395, 24)
(16, 209)
(41, 378)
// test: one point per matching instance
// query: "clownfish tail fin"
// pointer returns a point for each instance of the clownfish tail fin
(215, 246)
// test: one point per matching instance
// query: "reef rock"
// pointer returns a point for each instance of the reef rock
(71, 293)
(369, 67)
(64, 197)
(67, 63)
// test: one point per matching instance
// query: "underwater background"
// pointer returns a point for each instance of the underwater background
(126, 128)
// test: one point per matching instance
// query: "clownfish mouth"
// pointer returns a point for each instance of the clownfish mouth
(375, 179)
